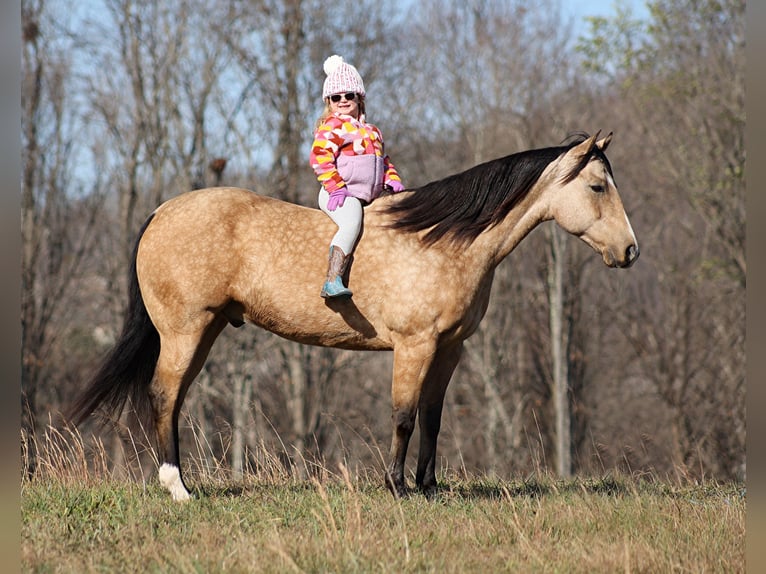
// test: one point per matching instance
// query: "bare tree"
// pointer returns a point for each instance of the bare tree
(682, 78)
(560, 335)
(58, 212)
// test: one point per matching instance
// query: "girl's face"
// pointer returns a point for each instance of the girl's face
(347, 103)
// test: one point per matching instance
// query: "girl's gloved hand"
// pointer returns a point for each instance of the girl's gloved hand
(396, 186)
(336, 200)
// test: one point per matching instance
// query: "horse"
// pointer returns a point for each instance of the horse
(422, 273)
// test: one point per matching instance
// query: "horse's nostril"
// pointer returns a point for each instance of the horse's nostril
(632, 253)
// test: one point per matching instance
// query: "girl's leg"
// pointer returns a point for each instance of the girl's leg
(348, 218)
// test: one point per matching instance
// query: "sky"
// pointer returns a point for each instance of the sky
(584, 8)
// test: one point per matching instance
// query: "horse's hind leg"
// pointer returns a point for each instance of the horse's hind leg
(430, 414)
(181, 359)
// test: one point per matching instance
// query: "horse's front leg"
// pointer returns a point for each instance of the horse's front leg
(430, 413)
(411, 363)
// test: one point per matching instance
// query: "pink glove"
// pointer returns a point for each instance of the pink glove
(336, 200)
(396, 186)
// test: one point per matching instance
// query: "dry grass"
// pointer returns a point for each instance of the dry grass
(76, 517)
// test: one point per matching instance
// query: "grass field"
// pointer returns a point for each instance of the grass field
(78, 522)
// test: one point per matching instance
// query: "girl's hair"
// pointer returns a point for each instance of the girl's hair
(327, 112)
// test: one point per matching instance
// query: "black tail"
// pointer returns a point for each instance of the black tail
(128, 369)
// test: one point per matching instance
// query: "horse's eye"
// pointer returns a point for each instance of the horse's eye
(598, 188)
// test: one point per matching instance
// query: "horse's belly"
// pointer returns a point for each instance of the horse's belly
(345, 329)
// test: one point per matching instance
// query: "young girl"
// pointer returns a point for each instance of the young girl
(349, 160)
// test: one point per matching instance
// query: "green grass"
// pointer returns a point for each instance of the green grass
(78, 521)
(602, 525)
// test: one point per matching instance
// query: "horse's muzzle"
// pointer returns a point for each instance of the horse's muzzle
(631, 254)
(625, 260)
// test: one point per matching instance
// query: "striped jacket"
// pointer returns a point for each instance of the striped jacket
(342, 134)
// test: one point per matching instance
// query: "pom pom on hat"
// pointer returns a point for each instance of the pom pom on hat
(331, 64)
(341, 77)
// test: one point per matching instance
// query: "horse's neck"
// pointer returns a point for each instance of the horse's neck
(497, 242)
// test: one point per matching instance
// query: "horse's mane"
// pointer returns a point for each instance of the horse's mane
(465, 204)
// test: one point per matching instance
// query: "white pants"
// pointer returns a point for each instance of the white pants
(348, 218)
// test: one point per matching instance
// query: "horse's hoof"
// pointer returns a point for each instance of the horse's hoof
(400, 492)
(429, 491)
(170, 478)
(398, 489)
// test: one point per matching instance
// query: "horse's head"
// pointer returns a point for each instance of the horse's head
(586, 203)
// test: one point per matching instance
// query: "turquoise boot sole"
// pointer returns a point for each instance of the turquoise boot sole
(335, 288)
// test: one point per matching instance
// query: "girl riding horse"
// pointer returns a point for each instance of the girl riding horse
(350, 162)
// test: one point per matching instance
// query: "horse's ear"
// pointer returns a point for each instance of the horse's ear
(581, 150)
(573, 160)
(604, 143)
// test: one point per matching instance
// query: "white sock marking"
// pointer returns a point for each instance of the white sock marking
(170, 478)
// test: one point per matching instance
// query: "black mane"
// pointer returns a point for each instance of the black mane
(465, 204)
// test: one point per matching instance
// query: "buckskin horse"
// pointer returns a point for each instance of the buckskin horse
(421, 278)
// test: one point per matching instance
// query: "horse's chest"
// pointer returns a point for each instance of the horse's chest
(459, 316)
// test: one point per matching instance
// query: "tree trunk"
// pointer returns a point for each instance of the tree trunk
(559, 352)
(298, 388)
(240, 408)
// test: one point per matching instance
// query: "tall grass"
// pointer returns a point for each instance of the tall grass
(78, 516)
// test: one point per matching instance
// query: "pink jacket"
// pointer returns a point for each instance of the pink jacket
(350, 153)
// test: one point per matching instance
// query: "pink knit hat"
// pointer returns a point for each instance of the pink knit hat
(341, 77)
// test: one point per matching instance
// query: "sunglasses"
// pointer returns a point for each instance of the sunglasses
(350, 97)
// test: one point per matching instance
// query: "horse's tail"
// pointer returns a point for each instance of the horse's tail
(128, 369)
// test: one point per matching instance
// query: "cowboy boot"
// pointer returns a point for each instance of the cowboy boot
(336, 267)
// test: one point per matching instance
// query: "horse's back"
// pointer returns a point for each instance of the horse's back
(230, 205)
